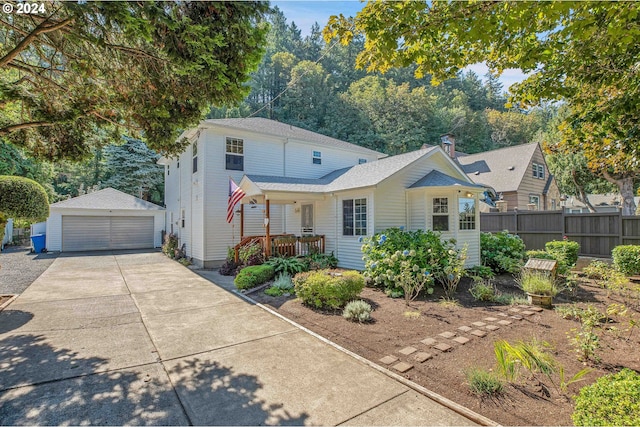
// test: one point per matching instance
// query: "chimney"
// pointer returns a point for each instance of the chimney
(449, 144)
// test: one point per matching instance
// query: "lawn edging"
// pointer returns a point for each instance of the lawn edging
(465, 412)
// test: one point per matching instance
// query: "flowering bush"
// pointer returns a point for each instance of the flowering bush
(394, 252)
(503, 252)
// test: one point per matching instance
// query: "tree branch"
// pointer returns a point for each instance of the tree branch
(40, 29)
(12, 128)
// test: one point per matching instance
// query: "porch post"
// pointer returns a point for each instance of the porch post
(267, 249)
(241, 221)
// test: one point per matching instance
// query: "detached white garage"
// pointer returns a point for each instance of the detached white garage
(105, 220)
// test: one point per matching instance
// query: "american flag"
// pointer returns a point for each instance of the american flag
(235, 195)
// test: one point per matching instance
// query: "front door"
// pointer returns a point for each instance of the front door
(307, 219)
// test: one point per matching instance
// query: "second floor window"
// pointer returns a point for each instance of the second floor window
(538, 170)
(317, 158)
(234, 154)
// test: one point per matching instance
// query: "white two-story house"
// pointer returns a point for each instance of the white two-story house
(301, 183)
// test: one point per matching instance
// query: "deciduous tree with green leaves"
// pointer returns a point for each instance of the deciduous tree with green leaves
(82, 74)
(585, 53)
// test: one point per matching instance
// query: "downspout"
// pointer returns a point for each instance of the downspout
(335, 224)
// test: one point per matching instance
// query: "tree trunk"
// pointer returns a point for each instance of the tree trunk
(625, 185)
(581, 194)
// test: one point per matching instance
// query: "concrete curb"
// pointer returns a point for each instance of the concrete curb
(465, 412)
(9, 301)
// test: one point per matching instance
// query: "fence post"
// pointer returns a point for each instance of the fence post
(515, 219)
(620, 228)
(564, 223)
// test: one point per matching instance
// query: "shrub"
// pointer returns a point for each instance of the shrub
(252, 276)
(287, 265)
(613, 400)
(481, 271)
(537, 283)
(483, 291)
(23, 198)
(503, 252)
(357, 311)
(483, 383)
(251, 254)
(321, 261)
(626, 259)
(328, 289)
(564, 250)
(282, 285)
(423, 250)
(411, 282)
(597, 270)
(451, 273)
(562, 266)
(170, 245)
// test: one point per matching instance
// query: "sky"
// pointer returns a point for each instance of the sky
(305, 12)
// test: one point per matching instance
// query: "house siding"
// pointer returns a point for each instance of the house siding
(531, 185)
(299, 159)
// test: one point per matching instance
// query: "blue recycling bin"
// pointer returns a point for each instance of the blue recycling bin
(38, 242)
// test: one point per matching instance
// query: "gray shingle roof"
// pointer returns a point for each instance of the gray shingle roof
(275, 128)
(502, 169)
(358, 176)
(438, 179)
(110, 199)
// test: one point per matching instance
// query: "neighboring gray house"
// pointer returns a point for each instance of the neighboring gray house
(106, 219)
(601, 202)
(519, 174)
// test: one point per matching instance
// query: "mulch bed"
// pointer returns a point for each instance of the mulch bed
(527, 403)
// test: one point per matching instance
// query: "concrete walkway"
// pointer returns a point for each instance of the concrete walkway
(136, 338)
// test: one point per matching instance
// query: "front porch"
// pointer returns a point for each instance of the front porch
(286, 245)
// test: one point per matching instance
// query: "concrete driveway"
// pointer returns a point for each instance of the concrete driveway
(135, 338)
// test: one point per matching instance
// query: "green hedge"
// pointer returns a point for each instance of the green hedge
(328, 289)
(613, 400)
(564, 250)
(626, 259)
(255, 275)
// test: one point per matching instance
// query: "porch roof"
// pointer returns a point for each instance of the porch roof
(358, 176)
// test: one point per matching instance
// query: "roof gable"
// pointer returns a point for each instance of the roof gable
(108, 198)
(436, 178)
(502, 169)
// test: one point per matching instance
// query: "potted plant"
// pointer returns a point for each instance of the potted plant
(539, 286)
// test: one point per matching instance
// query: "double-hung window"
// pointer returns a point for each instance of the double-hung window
(440, 214)
(317, 158)
(234, 157)
(538, 170)
(354, 217)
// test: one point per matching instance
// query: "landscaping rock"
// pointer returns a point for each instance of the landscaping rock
(388, 360)
(478, 333)
(447, 335)
(408, 350)
(402, 367)
(461, 340)
(422, 357)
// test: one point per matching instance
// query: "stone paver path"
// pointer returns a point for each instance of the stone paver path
(447, 341)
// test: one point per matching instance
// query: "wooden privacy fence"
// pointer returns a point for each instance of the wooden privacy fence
(597, 233)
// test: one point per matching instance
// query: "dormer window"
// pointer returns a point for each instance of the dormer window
(317, 158)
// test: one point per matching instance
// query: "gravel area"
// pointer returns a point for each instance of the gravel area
(19, 268)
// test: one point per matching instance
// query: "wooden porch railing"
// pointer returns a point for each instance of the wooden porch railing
(284, 245)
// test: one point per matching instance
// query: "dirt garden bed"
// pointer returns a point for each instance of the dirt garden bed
(396, 326)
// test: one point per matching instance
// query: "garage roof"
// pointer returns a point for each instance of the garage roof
(107, 199)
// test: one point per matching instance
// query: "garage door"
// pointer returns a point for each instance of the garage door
(94, 233)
